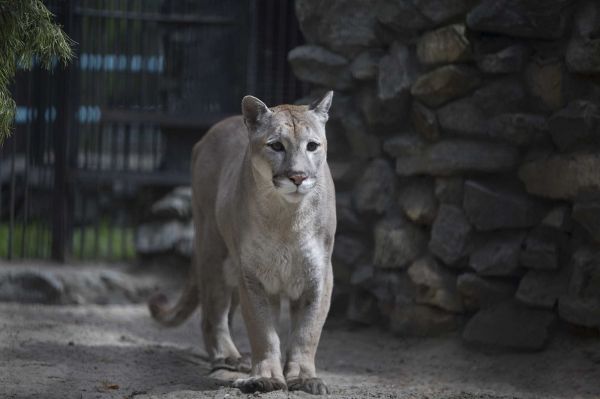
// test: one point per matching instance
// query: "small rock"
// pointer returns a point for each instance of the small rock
(558, 218)
(418, 201)
(422, 321)
(457, 156)
(347, 249)
(562, 176)
(492, 206)
(375, 190)
(378, 112)
(543, 288)
(581, 305)
(347, 218)
(498, 256)
(508, 60)
(449, 190)
(576, 126)
(177, 204)
(362, 308)
(438, 14)
(444, 45)
(366, 65)
(518, 129)
(397, 72)
(543, 249)
(587, 214)
(160, 237)
(545, 80)
(317, 65)
(520, 18)
(463, 117)
(508, 325)
(425, 121)
(584, 48)
(435, 285)
(404, 145)
(450, 234)
(398, 242)
(444, 84)
(479, 292)
(364, 145)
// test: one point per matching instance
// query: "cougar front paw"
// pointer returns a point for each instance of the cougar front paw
(241, 364)
(314, 386)
(259, 384)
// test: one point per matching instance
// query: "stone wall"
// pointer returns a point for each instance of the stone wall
(464, 142)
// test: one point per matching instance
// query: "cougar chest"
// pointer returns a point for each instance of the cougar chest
(282, 262)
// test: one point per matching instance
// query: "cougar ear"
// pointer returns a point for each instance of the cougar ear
(254, 111)
(321, 106)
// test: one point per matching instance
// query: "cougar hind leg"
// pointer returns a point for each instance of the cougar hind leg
(217, 298)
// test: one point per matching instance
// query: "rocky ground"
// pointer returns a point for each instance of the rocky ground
(117, 351)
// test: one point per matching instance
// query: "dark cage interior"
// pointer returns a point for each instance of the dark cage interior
(98, 141)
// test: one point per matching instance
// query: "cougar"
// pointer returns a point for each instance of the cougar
(263, 203)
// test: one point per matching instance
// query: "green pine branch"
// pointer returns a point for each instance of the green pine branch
(27, 34)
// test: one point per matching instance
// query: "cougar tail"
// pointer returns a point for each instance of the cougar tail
(185, 306)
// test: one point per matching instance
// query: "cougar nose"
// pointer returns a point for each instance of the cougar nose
(297, 178)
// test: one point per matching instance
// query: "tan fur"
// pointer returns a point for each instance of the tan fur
(265, 223)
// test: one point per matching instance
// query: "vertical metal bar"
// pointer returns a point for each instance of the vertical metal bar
(281, 57)
(28, 133)
(60, 214)
(11, 227)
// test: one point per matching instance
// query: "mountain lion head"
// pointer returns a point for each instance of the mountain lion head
(288, 146)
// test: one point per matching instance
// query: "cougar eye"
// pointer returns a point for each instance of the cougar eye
(312, 146)
(277, 146)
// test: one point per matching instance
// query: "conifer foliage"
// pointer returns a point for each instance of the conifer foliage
(28, 35)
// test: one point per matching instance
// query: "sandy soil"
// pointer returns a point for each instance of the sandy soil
(119, 352)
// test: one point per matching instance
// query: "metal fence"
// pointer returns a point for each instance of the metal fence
(95, 143)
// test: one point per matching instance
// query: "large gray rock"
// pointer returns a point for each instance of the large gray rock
(562, 176)
(523, 18)
(587, 214)
(418, 201)
(425, 121)
(398, 242)
(469, 116)
(376, 188)
(450, 234)
(581, 305)
(576, 126)
(348, 249)
(406, 144)
(397, 72)
(510, 59)
(347, 218)
(479, 292)
(363, 144)
(346, 26)
(362, 308)
(583, 52)
(444, 84)
(498, 255)
(402, 16)
(422, 321)
(320, 66)
(543, 288)
(543, 249)
(518, 129)
(510, 326)
(378, 112)
(492, 206)
(30, 287)
(444, 45)
(458, 156)
(436, 286)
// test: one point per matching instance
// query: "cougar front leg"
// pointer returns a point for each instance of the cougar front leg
(308, 315)
(257, 310)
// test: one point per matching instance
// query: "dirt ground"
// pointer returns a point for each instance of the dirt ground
(112, 351)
